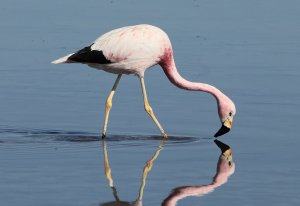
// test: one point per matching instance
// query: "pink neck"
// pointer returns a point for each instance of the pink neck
(171, 72)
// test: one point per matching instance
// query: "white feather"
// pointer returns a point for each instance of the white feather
(62, 60)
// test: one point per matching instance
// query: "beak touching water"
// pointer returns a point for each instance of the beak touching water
(226, 126)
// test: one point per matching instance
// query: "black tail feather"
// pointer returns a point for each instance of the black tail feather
(87, 55)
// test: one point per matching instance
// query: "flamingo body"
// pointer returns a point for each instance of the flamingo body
(134, 49)
(128, 50)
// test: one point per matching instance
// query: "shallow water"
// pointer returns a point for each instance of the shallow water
(51, 116)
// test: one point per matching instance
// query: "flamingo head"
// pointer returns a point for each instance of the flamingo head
(227, 111)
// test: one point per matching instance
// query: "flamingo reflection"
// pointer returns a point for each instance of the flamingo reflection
(225, 168)
(146, 170)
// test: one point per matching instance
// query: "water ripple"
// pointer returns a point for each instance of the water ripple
(23, 136)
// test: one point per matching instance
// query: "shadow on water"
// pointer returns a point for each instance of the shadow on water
(225, 168)
(23, 136)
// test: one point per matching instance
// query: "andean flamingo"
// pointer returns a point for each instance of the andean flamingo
(134, 49)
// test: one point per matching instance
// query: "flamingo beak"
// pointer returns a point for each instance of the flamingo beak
(226, 150)
(224, 147)
(226, 126)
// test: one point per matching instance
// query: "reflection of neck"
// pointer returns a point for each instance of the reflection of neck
(219, 179)
(146, 170)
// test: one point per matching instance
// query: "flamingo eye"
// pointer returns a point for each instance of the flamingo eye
(229, 163)
(230, 113)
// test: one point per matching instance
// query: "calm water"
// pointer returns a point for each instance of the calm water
(51, 115)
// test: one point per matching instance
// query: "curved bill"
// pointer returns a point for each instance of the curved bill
(226, 126)
(222, 130)
(224, 147)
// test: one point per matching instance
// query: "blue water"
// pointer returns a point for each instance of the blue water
(51, 116)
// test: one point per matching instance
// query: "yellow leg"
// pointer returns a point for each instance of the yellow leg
(149, 109)
(109, 104)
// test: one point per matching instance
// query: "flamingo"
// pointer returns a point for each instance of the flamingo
(134, 49)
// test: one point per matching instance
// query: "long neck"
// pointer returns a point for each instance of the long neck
(171, 72)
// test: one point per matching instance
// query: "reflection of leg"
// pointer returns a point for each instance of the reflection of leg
(109, 104)
(149, 109)
(147, 169)
(108, 170)
(106, 164)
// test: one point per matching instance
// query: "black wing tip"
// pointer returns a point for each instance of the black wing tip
(87, 55)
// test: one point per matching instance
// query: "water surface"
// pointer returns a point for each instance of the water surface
(51, 115)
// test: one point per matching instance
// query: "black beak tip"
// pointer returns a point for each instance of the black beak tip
(222, 130)
(224, 147)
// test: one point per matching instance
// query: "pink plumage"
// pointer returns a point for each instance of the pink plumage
(134, 49)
